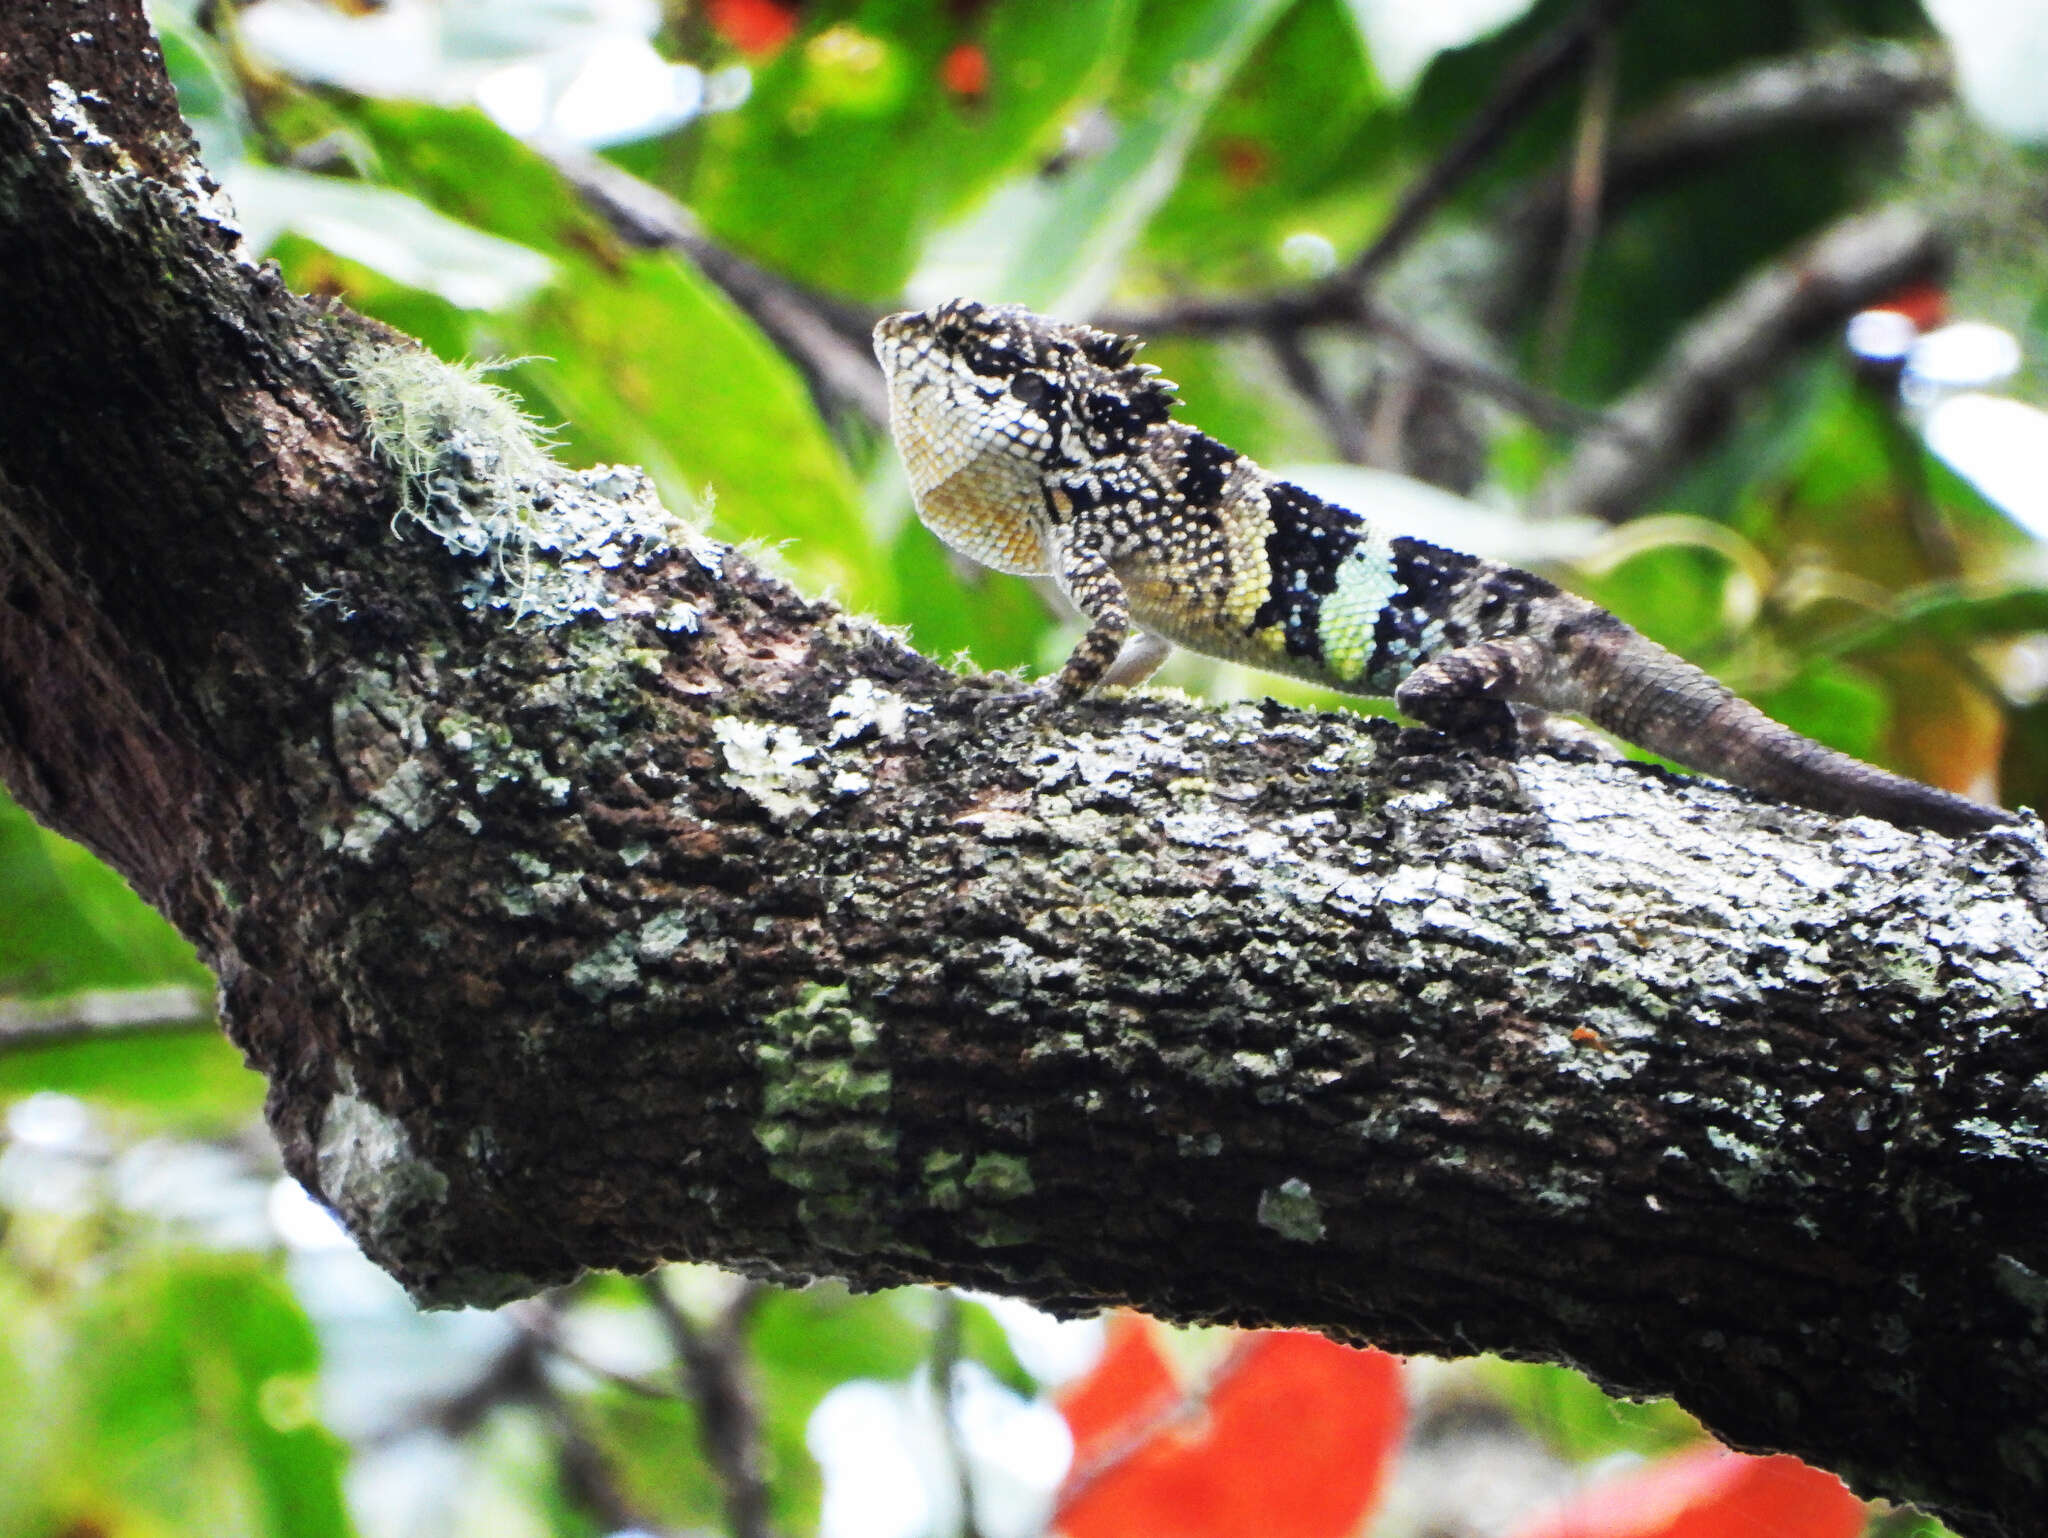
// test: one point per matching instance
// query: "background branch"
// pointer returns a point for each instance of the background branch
(827, 339)
(1838, 90)
(1690, 397)
(102, 1012)
(1523, 85)
(712, 1367)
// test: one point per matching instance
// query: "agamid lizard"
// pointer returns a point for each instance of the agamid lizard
(1037, 446)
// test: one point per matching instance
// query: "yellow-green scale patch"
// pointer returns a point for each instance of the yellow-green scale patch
(1349, 615)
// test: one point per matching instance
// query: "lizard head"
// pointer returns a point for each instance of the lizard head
(1005, 381)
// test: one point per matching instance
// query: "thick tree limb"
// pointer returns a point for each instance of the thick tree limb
(590, 899)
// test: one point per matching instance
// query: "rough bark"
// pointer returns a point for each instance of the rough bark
(590, 899)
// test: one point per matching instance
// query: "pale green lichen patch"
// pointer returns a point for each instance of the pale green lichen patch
(942, 1180)
(392, 1200)
(1291, 1211)
(494, 762)
(824, 1114)
(661, 936)
(476, 472)
(612, 968)
(998, 1177)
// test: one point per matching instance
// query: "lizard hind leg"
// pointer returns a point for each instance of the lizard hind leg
(1467, 693)
(1138, 661)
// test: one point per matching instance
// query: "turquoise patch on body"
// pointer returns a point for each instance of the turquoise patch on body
(1349, 614)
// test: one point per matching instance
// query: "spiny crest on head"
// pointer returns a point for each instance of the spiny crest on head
(1002, 341)
(1110, 349)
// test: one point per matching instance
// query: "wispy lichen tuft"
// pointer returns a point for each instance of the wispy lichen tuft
(477, 472)
(469, 456)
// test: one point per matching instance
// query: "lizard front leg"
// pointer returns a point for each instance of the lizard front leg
(1085, 577)
(1466, 693)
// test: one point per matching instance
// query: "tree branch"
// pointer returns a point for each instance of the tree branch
(713, 1368)
(590, 899)
(1699, 385)
(1840, 90)
(828, 340)
(1293, 310)
(1528, 79)
(102, 1012)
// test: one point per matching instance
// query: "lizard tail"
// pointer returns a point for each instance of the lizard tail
(1631, 686)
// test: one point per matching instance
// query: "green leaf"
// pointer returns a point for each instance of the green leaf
(67, 922)
(1582, 1423)
(1833, 704)
(848, 152)
(193, 1082)
(188, 1398)
(1068, 234)
(1673, 591)
(983, 1339)
(1272, 147)
(389, 230)
(207, 95)
(1001, 622)
(805, 1344)
(1957, 615)
(653, 1449)
(638, 356)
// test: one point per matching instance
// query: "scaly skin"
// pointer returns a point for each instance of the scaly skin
(1038, 446)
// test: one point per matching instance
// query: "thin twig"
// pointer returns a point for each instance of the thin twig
(1520, 90)
(1340, 420)
(1851, 88)
(945, 1357)
(1540, 406)
(587, 1477)
(1926, 523)
(515, 1375)
(1589, 160)
(1181, 1410)
(1294, 310)
(711, 1365)
(546, 1327)
(103, 1012)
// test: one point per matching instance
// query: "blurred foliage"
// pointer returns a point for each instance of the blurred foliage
(185, 1350)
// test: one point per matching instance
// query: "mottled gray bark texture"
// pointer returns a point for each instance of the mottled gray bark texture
(590, 899)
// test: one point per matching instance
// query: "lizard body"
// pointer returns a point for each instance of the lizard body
(1038, 446)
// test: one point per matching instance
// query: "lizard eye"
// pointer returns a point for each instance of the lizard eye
(1035, 391)
(995, 362)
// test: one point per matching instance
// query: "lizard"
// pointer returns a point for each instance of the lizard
(1038, 446)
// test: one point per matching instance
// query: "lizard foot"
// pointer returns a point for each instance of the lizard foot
(1034, 702)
